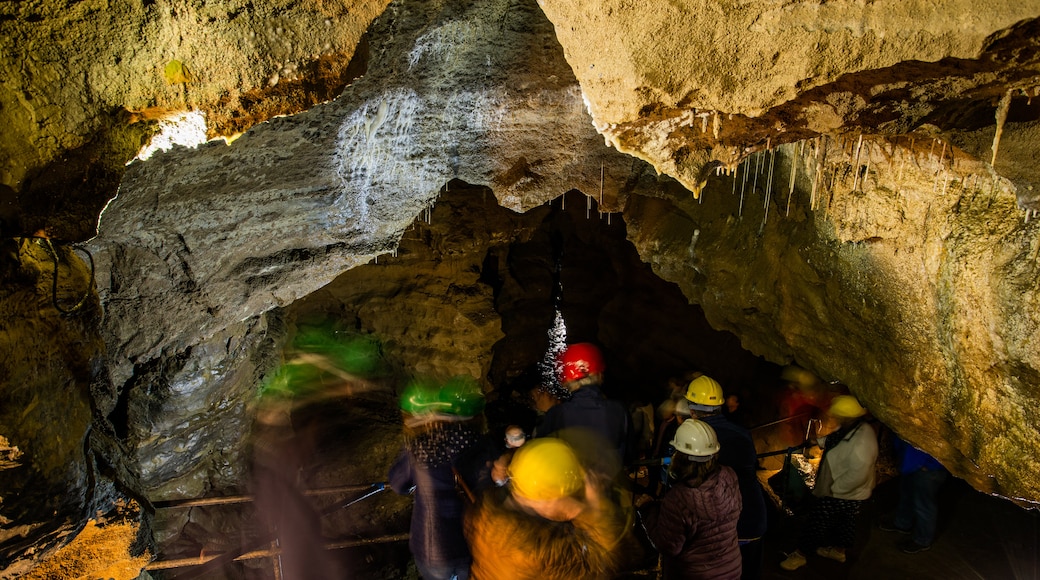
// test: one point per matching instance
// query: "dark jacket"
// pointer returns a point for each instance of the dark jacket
(427, 463)
(695, 528)
(737, 450)
(589, 409)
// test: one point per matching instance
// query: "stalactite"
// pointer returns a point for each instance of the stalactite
(769, 191)
(855, 163)
(758, 169)
(794, 172)
(1002, 111)
(740, 208)
(735, 172)
(769, 178)
(716, 127)
(819, 171)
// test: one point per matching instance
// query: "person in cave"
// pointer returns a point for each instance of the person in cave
(706, 399)
(844, 482)
(440, 426)
(553, 521)
(694, 526)
(588, 416)
(280, 454)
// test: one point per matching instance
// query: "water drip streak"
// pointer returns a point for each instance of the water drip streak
(758, 169)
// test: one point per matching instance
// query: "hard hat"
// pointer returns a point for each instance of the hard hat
(682, 407)
(696, 439)
(545, 469)
(420, 397)
(846, 406)
(460, 396)
(579, 361)
(705, 394)
(463, 396)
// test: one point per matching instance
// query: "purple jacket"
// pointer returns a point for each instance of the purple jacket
(695, 529)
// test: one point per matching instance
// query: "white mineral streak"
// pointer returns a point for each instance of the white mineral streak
(379, 146)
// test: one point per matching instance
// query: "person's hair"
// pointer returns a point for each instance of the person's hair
(592, 379)
(691, 472)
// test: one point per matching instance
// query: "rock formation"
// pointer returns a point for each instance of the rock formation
(849, 186)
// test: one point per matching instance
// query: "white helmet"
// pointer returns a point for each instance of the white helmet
(696, 439)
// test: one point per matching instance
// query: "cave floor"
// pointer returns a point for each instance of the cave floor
(979, 537)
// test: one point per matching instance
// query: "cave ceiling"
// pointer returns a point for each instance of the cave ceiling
(847, 185)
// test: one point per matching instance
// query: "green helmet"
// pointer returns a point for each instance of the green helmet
(460, 396)
(420, 397)
(463, 395)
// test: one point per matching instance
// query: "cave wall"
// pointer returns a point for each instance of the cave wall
(923, 304)
(52, 353)
(908, 132)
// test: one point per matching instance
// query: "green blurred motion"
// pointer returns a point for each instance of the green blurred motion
(460, 396)
(322, 358)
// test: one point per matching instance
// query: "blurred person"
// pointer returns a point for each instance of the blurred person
(320, 364)
(281, 454)
(641, 434)
(920, 477)
(553, 521)
(694, 526)
(803, 399)
(440, 426)
(844, 482)
(734, 411)
(706, 400)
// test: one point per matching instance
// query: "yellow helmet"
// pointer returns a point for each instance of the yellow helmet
(847, 406)
(705, 393)
(545, 469)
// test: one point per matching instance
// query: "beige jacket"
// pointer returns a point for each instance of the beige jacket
(847, 470)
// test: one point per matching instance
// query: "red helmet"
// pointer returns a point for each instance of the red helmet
(579, 361)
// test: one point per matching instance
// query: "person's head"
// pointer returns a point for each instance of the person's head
(682, 410)
(547, 479)
(696, 450)
(515, 436)
(704, 395)
(732, 402)
(846, 409)
(579, 365)
(426, 401)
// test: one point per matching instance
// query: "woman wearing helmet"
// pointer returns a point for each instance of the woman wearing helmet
(694, 526)
(844, 481)
(441, 424)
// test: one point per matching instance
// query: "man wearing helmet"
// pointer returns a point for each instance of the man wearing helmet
(588, 412)
(694, 526)
(705, 397)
